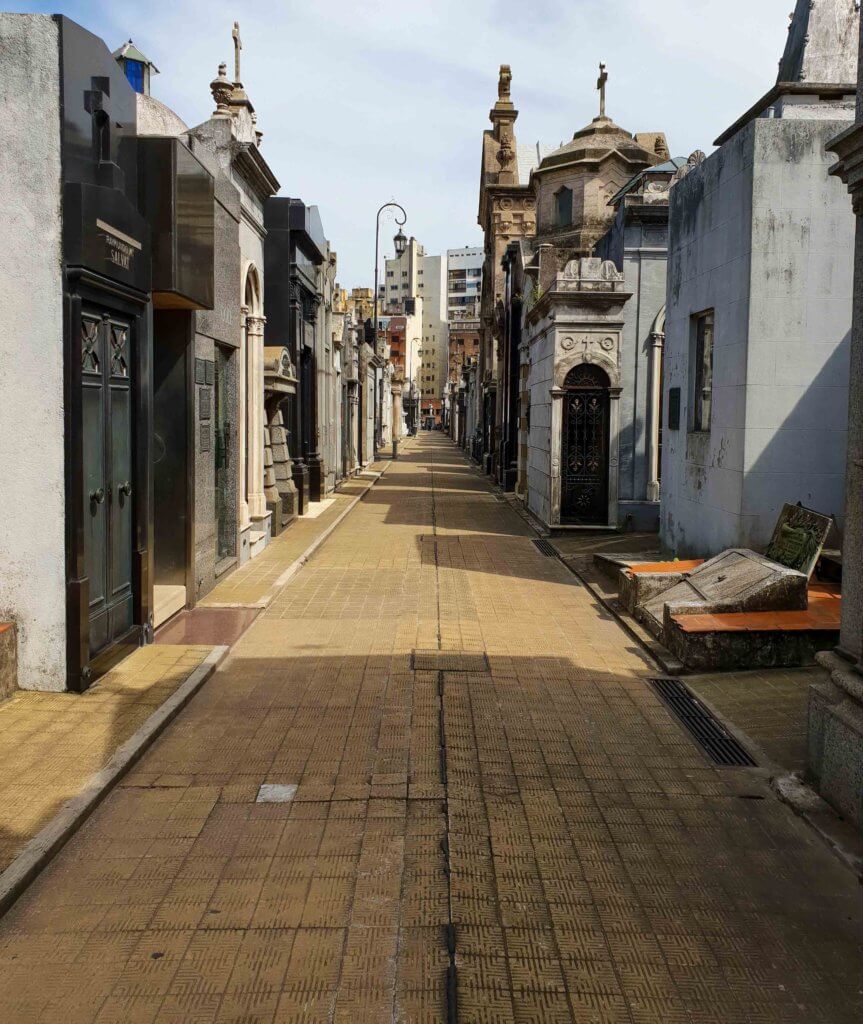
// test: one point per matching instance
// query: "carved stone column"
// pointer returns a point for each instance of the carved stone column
(242, 418)
(835, 720)
(555, 455)
(613, 453)
(255, 418)
(654, 412)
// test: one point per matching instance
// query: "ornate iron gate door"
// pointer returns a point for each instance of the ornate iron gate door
(108, 497)
(584, 483)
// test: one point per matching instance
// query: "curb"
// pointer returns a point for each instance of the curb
(842, 841)
(43, 847)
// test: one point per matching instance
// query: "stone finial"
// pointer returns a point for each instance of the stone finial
(692, 161)
(503, 84)
(221, 89)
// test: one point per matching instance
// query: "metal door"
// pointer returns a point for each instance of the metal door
(584, 487)
(108, 493)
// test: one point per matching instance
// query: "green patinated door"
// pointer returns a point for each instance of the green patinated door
(108, 491)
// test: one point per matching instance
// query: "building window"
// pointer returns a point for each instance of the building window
(563, 207)
(701, 371)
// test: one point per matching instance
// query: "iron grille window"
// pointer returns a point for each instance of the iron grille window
(701, 370)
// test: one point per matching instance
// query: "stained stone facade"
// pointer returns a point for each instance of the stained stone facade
(574, 334)
(835, 741)
(759, 307)
(164, 422)
(583, 287)
(507, 211)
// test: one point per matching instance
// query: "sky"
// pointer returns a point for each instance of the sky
(365, 101)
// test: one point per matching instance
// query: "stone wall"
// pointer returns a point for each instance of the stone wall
(760, 234)
(640, 250)
(540, 382)
(32, 494)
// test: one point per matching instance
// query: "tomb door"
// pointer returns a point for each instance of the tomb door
(584, 464)
(109, 497)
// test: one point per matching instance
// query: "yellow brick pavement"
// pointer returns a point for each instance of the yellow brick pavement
(253, 582)
(473, 744)
(52, 743)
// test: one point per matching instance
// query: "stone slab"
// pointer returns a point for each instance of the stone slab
(736, 580)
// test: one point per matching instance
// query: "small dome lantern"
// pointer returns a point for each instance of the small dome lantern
(136, 67)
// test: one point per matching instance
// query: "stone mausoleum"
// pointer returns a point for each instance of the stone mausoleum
(759, 306)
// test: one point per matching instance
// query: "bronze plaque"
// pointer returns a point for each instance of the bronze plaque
(799, 538)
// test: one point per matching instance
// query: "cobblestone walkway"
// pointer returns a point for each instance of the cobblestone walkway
(494, 817)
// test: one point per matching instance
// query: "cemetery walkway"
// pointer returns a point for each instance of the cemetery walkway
(430, 783)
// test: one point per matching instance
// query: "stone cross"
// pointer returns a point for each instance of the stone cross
(238, 45)
(600, 84)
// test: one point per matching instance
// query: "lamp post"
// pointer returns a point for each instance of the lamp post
(400, 243)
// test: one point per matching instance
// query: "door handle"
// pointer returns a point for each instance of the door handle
(97, 496)
(125, 488)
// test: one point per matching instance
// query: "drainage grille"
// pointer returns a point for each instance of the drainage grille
(448, 661)
(544, 548)
(719, 745)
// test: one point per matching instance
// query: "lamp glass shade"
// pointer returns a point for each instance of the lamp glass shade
(400, 242)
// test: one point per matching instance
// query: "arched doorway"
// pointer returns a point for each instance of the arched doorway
(585, 446)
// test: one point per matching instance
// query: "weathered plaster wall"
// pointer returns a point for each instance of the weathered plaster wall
(760, 233)
(540, 382)
(709, 252)
(797, 358)
(214, 329)
(640, 250)
(32, 513)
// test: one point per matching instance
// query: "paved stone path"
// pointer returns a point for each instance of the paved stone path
(490, 803)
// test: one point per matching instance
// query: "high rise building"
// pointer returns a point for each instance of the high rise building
(464, 281)
(407, 278)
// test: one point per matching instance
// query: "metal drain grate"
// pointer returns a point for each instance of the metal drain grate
(719, 745)
(544, 548)
(448, 661)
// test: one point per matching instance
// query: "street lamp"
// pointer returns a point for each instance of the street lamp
(400, 242)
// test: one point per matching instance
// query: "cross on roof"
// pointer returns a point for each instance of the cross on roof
(238, 45)
(600, 84)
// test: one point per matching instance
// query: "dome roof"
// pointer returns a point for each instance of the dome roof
(601, 137)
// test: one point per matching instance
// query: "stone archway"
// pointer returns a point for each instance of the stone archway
(599, 374)
(585, 470)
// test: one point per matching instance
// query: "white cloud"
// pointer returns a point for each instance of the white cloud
(364, 101)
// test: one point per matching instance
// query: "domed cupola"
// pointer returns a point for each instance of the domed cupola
(575, 182)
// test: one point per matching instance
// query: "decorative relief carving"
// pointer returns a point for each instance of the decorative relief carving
(692, 162)
(89, 343)
(119, 355)
(607, 343)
